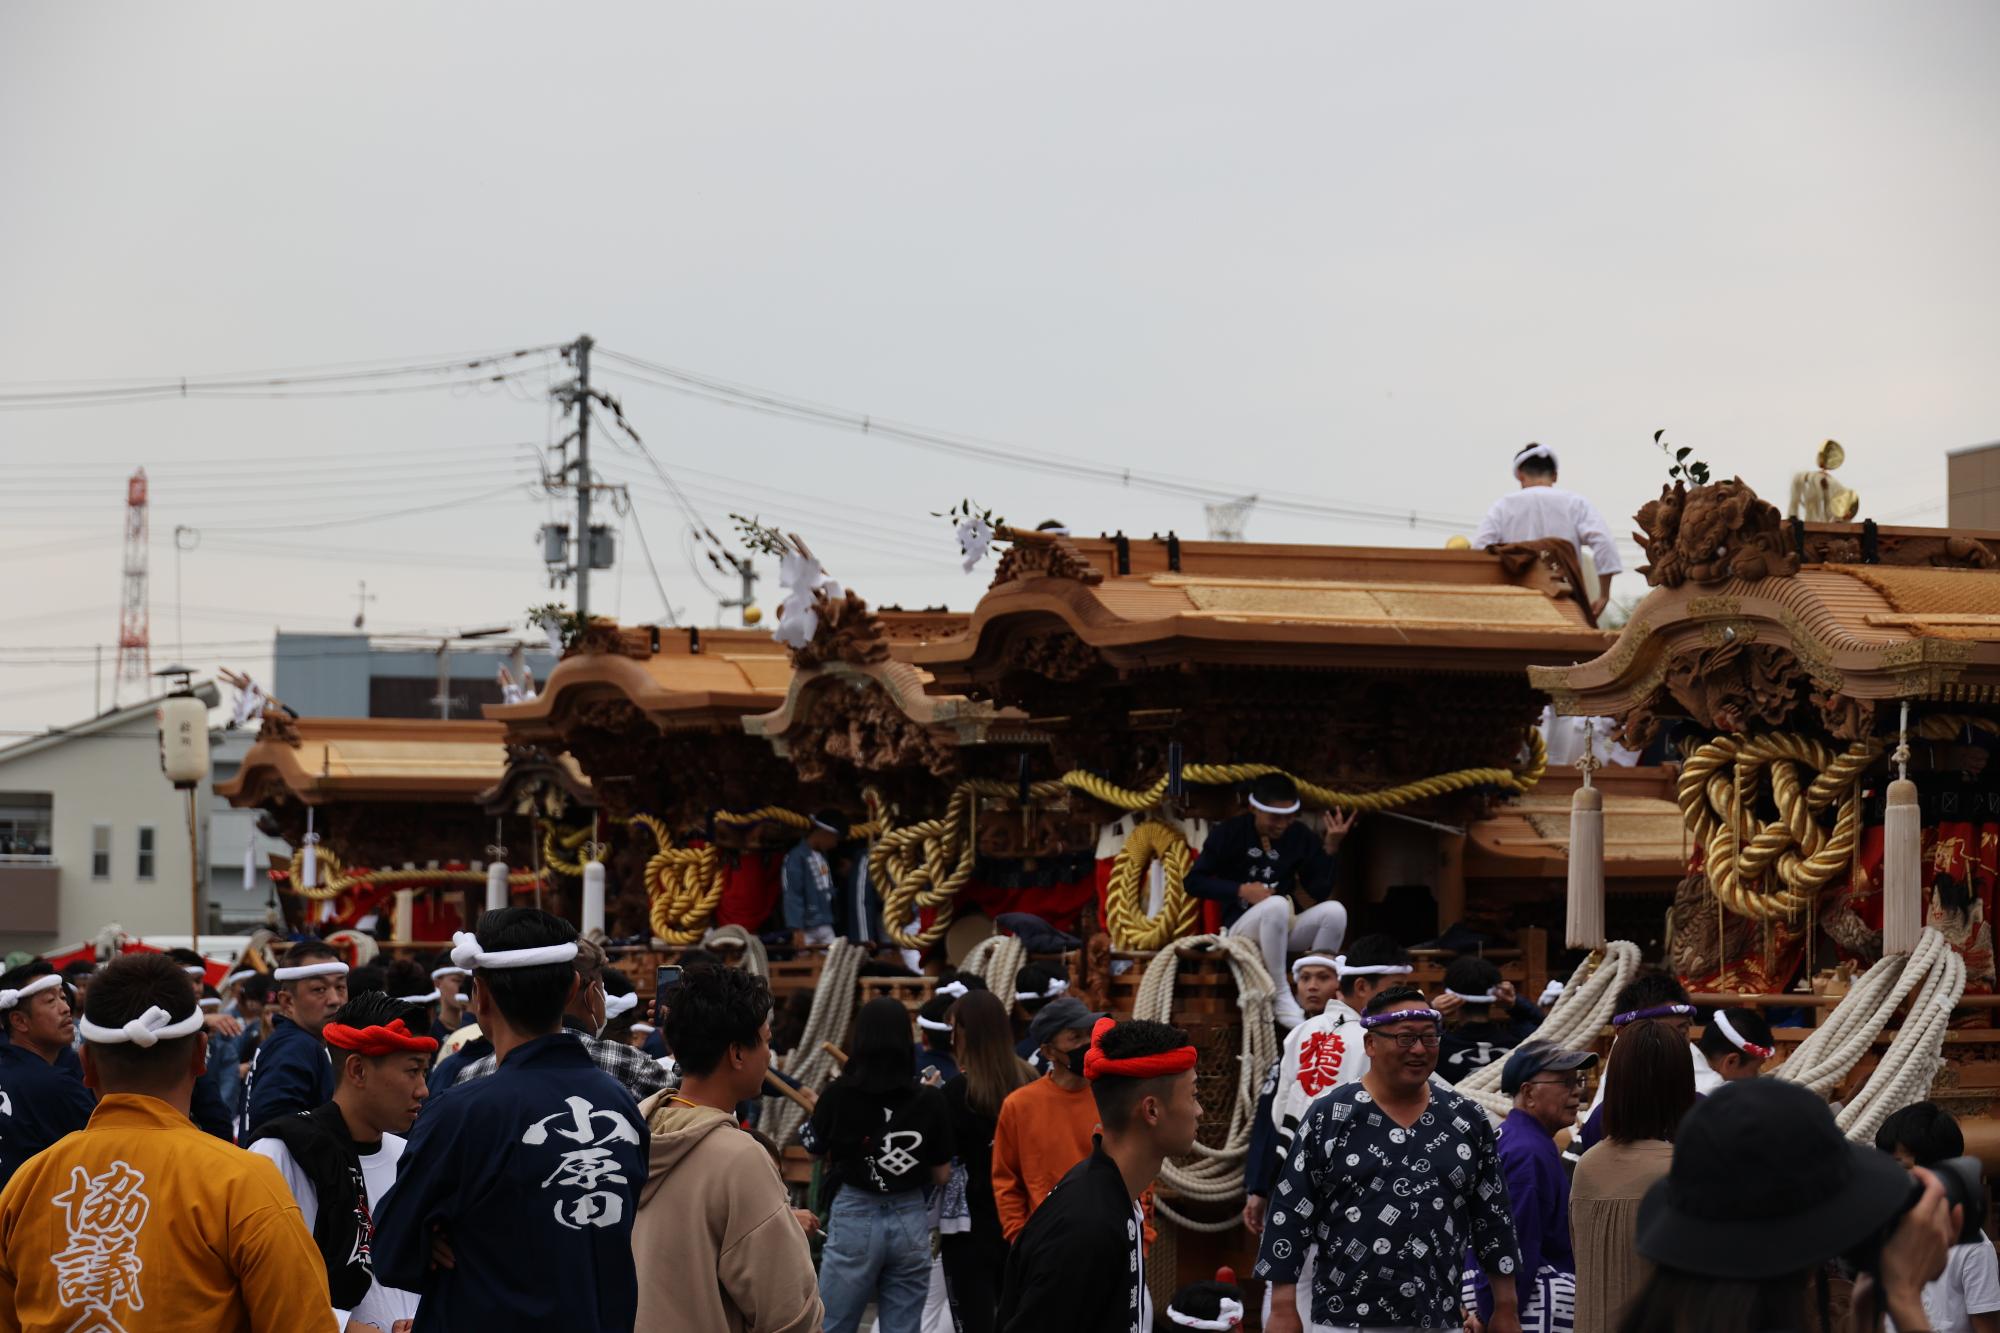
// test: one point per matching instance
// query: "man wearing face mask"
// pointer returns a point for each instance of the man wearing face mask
(585, 1017)
(1045, 1127)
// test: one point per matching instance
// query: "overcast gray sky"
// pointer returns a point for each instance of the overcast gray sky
(1353, 253)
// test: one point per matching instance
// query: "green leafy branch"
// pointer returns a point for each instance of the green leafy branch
(569, 625)
(1679, 468)
(763, 537)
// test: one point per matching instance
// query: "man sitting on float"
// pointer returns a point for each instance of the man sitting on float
(1252, 863)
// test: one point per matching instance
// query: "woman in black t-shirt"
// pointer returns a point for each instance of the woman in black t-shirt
(975, 1248)
(885, 1139)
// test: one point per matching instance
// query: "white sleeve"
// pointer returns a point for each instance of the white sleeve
(1489, 529)
(1596, 534)
(1979, 1276)
(295, 1178)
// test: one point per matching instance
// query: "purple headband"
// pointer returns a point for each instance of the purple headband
(1399, 1015)
(1657, 1011)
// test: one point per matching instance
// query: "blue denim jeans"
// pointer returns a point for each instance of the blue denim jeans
(878, 1247)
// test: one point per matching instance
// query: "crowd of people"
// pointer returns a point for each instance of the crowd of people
(504, 1140)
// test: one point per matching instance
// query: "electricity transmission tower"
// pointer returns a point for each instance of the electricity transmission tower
(135, 650)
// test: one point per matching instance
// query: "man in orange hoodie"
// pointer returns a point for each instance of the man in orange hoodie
(1045, 1127)
(140, 1220)
(715, 1239)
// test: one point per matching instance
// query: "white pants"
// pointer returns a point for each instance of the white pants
(820, 935)
(1318, 929)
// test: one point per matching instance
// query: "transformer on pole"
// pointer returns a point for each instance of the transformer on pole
(135, 650)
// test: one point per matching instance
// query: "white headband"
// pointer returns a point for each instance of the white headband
(1736, 1038)
(932, 1025)
(465, 952)
(1487, 998)
(1314, 960)
(1291, 809)
(209, 1002)
(148, 1029)
(1228, 1314)
(958, 990)
(643, 1027)
(616, 1006)
(235, 977)
(819, 823)
(449, 970)
(1550, 994)
(1535, 451)
(1376, 970)
(417, 999)
(10, 998)
(193, 970)
(305, 970)
(1055, 988)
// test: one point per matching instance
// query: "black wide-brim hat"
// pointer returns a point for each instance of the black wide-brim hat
(1764, 1184)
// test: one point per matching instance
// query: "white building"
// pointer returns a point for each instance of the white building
(91, 833)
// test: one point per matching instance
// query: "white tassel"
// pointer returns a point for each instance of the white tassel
(1584, 924)
(406, 914)
(1586, 869)
(1902, 869)
(309, 878)
(593, 897)
(1902, 855)
(250, 864)
(496, 886)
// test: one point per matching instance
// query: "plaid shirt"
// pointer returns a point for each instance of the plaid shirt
(638, 1071)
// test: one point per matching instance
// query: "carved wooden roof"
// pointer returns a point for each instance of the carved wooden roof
(541, 780)
(316, 760)
(680, 679)
(1153, 603)
(1528, 838)
(1864, 632)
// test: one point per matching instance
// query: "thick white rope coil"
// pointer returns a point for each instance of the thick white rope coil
(832, 1016)
(996, 960)
(1573, 1022)
(756, 960)
(1936, 974)
(1216, 1174)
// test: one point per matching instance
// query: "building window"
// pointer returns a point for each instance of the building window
(100, 851)
(145, 851)
(25, 821)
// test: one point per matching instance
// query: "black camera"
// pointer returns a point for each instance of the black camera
(1963, 1188)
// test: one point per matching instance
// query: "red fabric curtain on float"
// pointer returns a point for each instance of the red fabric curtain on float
(1959, 873)
(1961, 864)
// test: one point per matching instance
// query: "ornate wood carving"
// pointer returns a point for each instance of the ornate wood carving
(1736, 685)
(1036, 556)
(863, 728)
(1846, 718)
(848, 632)
(1711, 534)
(1056, 655)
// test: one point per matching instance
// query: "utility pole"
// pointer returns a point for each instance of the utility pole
(582, 401)
(747, 603)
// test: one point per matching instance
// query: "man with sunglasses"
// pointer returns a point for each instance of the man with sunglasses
(1547, 1085)
(1389, 1180)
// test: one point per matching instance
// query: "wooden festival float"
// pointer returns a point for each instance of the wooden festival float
(1157, 677)
(1799, 668)
(387, 817)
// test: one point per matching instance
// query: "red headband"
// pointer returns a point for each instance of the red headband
(1096, 1064)
(387, 1039)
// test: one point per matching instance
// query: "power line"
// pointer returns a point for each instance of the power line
(350, 520)
(189, 386)
(788, 406)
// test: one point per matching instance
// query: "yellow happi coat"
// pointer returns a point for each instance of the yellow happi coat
(142, 1223)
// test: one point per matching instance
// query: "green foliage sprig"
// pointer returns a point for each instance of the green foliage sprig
(1679, 468)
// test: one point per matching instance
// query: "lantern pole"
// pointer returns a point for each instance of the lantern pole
(194, 868)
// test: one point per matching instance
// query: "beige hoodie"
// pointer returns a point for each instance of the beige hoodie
(713, 1204)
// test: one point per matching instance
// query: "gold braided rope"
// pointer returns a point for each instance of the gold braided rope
(553, 844)
(1761, 870)
(333, 883)
(927, 863)
(1131, 928)
(684, 884)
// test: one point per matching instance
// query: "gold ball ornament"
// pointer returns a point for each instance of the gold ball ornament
(752, 615)
(1458, 542)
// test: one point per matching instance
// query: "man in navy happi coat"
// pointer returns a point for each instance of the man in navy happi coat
(528, 1178)
(291, 1072)
(39, 1102)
